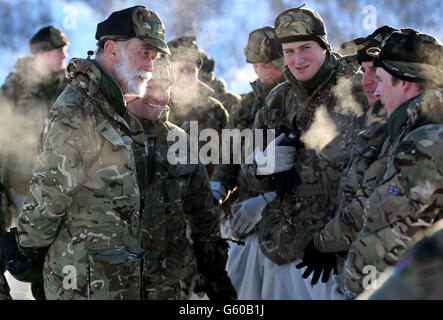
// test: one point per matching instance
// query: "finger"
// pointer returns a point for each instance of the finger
(316, 276)
(307, 272)
(326, 274)
(301, 265)
(279, 139)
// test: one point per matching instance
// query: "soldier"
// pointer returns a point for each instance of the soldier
(30, 91)
(310, 101)
(176, 198)
(408, 197)
(206, 75)
(191, 100)
(359, 178)
(27, 95)
(82, 214)
(246, 264)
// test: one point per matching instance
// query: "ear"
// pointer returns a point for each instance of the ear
(112, 50)
(405, 86)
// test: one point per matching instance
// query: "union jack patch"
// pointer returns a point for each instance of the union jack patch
(393, 190)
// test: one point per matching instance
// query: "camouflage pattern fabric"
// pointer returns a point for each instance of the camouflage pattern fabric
(27, 98)
(179, 209)
(208, 111)
(418, 275)
(289, 224)
(83, 208)
(409, 197)
(359, 179)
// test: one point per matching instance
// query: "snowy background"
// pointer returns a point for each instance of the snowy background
(221, 27)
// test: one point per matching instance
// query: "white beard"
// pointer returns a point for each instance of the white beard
(134, 85)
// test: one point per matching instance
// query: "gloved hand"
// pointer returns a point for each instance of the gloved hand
(249, 212)
(8, 246)
(317, 262)
(275, 158)
(218, 190)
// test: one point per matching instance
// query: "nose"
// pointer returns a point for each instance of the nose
(149, 65)
(377, 91)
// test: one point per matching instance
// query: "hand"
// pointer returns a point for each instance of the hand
(249, 212)
(275, 158)
(8, 246)
(218, 191)
(317, 262)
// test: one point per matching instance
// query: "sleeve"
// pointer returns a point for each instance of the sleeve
(57, 173)
(409, 199)
(201, 210)
(338, 234)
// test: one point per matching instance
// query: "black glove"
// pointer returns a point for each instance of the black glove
(211, 261)
(318, 262)
(284, 182)
(8, 246)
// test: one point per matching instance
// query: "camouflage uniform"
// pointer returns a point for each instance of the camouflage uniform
(411, 184)
(418, 275)
(205, 109)
(29, 96)
(179, 209)
(289, 224)
(84, 202)
(359, 178)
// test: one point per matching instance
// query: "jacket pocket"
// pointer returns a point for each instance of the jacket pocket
(114, 273)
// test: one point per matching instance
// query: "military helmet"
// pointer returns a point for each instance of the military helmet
(163, 69)
(301, 24)
(135, 22)
(263, 46)
(411, 56)
(47, 39)
(185, 49)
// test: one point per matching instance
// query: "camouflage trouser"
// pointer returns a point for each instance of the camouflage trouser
(177, 291)
(4, 288)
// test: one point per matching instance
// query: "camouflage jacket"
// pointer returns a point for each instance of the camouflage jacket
(418, 275)
(207, 111)
(289, 224)
(242, 117)
(83, 208)
(409, 196)
(29, 97)
(357, 183)
(179, 209)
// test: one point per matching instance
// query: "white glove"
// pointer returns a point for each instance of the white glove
(249, 212)
(218, 191)
(275, 158)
